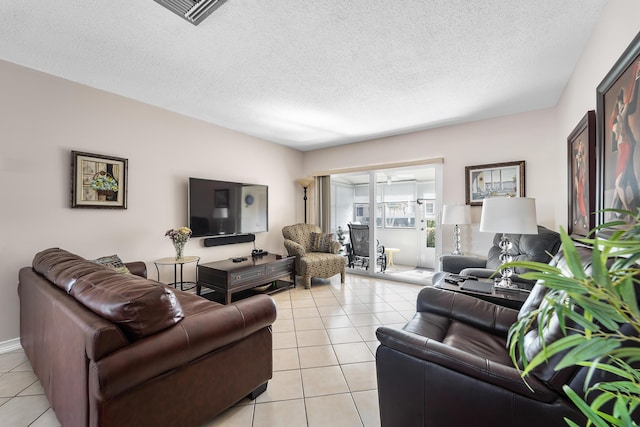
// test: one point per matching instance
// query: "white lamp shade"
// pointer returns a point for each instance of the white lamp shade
(512, 215)
(305, 182)
(220, 213)
(456, 214)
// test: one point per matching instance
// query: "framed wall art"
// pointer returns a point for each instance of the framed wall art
(618, 122)
(98, 181)
(581, 162)
(494, 180)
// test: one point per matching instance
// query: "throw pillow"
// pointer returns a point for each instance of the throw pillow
(114, 262)
(321, 242)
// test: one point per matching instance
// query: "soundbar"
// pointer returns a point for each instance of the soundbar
(229, 240)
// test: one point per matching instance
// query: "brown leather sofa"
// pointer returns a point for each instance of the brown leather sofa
(450, 366)
(119, 350)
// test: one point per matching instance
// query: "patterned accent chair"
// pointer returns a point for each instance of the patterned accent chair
(311, 262)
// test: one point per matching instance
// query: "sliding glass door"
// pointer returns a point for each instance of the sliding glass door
(399, 207)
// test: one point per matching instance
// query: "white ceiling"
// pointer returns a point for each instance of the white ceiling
(311, 74)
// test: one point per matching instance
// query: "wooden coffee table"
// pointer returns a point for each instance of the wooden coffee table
(229, 277)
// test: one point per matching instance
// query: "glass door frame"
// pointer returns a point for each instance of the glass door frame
(373, 185)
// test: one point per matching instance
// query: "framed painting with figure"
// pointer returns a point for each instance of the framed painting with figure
(581, 159)
(493, 180)
(98, 181)
(618, 116)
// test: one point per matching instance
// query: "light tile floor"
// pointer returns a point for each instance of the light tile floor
(324, 347)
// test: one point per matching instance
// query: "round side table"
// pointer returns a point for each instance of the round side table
(391, 251)
(178, 262)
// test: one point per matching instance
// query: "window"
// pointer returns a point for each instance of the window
(399, 215)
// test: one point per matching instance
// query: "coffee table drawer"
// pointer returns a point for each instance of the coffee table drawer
(246, 275)
(279, 268)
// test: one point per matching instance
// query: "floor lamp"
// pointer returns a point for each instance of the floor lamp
(513, 215)
(456, 215)
(305, 183)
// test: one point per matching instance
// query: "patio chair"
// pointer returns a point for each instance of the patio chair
(359, 248)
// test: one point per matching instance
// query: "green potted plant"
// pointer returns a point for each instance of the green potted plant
(599, 303)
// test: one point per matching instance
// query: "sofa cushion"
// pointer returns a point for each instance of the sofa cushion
(138, 306)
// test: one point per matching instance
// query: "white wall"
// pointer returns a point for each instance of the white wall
(615, 30)
(44, 118)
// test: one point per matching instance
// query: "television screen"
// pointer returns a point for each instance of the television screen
(219, 208)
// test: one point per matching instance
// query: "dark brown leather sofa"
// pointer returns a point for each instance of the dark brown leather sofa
(119, 350)
(450, 366)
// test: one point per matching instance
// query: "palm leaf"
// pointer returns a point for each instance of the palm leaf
(586, 350)
(589, 307)
(594, 417)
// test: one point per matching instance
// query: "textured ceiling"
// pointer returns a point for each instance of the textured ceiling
(310, 74)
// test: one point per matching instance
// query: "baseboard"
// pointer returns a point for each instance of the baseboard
(11, 345)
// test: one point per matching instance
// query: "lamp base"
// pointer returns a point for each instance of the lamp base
(456, 241)
(504, 283)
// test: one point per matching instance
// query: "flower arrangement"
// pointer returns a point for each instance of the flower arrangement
(105, 182)
(179, 236)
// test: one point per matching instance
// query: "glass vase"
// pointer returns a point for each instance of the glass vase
(179, 246)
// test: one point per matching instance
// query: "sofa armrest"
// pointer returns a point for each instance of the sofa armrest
(294, 248)
(481, 273)
(473, 311)
(455, 263)
(193, 337)
(138, 268)
(485, 370)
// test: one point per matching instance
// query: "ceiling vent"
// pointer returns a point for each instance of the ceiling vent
(194, 11)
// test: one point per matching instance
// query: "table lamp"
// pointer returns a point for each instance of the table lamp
(456, 214)
(513, 215)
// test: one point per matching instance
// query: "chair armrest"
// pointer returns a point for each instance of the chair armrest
(335, 247)
(482, 273)
(189, 339)
(294, 248)
(455, 263)
(485, 370)
(470, 310)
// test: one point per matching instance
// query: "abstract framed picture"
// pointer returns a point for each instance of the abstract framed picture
(581, 162)
(494, 180)
(98, 181)
(618, 122)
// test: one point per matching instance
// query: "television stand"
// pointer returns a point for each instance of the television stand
(229, 277)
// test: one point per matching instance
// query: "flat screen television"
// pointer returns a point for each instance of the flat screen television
(221, 208)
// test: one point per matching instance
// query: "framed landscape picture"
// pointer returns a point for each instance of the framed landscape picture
(494, 180)
(98, 181)
(581, 158)
(618, 121)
